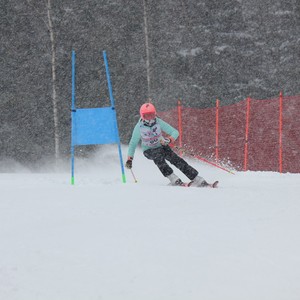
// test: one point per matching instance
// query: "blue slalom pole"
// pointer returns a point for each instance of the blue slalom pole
(112, 101)
(111, 97)
(73, 110)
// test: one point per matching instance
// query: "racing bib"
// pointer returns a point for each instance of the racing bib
(150, 136)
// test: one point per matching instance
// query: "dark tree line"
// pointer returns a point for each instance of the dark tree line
(164, 50)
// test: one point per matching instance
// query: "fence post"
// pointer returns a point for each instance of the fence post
(217, 131)
(179, 125)
(247, 134)
(280, 131)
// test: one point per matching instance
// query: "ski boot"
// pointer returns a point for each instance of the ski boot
(175, 180)
(198, 182)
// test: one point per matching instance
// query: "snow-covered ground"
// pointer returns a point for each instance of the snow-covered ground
(102, 239)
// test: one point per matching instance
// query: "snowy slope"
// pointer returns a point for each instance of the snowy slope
(102, 239)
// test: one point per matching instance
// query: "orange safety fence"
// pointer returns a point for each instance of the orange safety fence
(257, 135)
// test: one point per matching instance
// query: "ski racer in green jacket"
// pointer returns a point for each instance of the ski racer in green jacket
(155, 147)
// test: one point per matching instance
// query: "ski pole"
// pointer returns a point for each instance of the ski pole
(133, 176)
(203, 159)
(213, 164)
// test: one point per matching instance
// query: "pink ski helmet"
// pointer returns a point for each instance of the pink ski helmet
(148, 111)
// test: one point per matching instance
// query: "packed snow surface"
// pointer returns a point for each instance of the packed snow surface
(103, 239)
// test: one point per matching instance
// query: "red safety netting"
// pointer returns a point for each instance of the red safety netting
(291, 134)
(258, 135)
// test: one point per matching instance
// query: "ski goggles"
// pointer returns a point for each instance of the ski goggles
(149, 116)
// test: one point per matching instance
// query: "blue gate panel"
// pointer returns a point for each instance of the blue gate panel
(94, 126)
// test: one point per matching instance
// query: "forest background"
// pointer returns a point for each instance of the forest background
(164, 50)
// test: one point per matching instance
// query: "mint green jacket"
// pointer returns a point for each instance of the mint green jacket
(150, 137)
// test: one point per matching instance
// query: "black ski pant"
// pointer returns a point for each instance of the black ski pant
(161, 154)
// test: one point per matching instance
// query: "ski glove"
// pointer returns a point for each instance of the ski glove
(128, 164)
(165, 141)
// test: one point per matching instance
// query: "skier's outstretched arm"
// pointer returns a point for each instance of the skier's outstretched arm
(134, 141)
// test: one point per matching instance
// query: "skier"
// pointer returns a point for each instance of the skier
(155, 147)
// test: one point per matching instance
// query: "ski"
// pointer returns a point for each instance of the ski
(211, 185)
